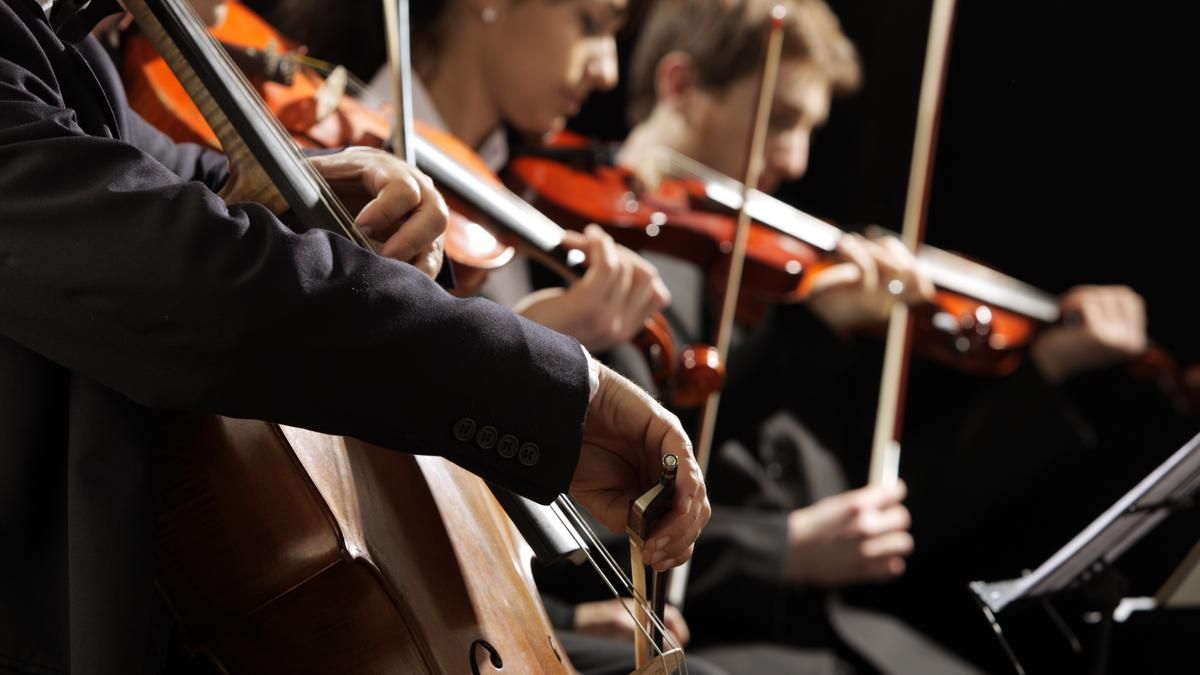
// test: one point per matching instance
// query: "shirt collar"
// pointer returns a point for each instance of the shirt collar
(493, 150)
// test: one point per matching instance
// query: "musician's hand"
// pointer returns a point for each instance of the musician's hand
(856, 536)
(649, 161)
(860, 290)
(399, 205)
(1104, 325)
(625, 436)
(612, 301)
(610, 619)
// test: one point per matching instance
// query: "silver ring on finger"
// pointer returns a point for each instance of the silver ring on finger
(895, 287)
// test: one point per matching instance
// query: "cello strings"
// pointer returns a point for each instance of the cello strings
(579, 528)
(282, 137)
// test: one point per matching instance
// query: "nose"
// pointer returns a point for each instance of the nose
(602, 66)
(788, 155)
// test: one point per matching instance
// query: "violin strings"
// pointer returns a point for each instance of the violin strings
(579, 525)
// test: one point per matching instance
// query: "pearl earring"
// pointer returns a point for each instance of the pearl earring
(488, 14)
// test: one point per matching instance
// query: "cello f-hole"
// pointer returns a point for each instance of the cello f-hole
(493, 656)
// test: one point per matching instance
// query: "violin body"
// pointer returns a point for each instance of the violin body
(287, 551)
(579, 186)
(316, 116)
(670, 219)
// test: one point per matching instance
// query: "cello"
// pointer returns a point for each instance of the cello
(260, 530)
(264, 528)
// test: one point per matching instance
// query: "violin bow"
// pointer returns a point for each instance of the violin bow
(654, 655)
(889, 419)
(399, 45)
(772, 53)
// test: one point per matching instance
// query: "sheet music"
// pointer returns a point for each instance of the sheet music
(1110, 535)
(1182, 589)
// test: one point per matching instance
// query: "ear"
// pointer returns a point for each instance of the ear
(675, 82)
(477, 8)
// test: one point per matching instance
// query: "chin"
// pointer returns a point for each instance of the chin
(541, 125)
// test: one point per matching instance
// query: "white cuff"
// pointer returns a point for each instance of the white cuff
(593, 374)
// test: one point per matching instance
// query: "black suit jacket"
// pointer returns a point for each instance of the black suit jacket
(127, 287)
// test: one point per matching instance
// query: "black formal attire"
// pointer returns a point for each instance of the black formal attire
(1001, 472)
(127, 287)
(745, 616)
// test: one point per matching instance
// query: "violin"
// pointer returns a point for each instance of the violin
(316, 110)
(577, 182)
(979, 320)
(472, 187)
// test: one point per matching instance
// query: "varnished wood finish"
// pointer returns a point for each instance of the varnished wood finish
(287, 551)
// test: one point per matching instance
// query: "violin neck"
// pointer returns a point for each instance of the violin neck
(763, 208)
(267, 64)
(959, 275)
(947, 271)
(540, 237)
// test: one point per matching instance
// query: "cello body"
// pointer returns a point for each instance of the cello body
(282, 550)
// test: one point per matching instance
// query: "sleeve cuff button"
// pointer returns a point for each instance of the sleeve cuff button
(464, 429)
(486, 437)
(529, 454)
(508, 445)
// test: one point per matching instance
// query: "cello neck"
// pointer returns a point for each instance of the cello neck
(265, 164)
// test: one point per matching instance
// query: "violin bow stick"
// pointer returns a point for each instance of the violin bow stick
(399, 42)
(649, 585)
(772, 53)
(889, 418)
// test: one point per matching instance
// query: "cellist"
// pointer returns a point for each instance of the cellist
(131, 292)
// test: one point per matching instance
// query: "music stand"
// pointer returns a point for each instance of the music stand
(1087, 558)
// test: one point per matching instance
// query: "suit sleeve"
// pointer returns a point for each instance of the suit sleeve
(114, 267)
(186, 160)
(739, 568)
(793, 362)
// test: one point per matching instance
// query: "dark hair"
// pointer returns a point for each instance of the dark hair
(350, 32)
